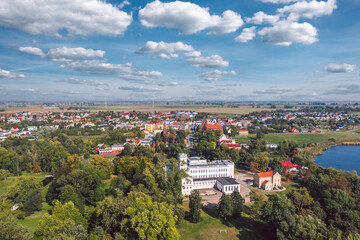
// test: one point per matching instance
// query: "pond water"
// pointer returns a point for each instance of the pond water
(341, 158)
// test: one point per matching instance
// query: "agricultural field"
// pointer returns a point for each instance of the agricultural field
(198, 108)
(305, 138)
(216, 109)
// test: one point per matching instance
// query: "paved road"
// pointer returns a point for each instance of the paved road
(245, 180)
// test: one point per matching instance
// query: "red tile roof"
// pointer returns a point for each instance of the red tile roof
(287, 164)
(233, 145)
(214, 127)
(269, 173)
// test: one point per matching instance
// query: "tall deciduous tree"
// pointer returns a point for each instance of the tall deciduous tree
(103, 164)
(34, 202)
(145, 219)
(63, 216)
(237, 203)
(195, 207)
(11, 229)
(225, 207)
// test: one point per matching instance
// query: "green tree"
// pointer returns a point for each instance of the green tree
(103, 164)
(4, 174)
(7, 161)
(225, 207)
(21, 191)
(11, 229)
(68, 194)
(109, 213)
(276, 209)
(63, 216)
(34, 202)
(298, 227)
(145, 219)
(237, 203)
(195, 207)
(73, 162)
(118, 186)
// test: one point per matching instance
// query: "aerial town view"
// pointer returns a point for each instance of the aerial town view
(179, 120)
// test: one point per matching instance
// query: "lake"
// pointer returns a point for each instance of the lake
(341, 158)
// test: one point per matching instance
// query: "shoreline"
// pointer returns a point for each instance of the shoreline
(328, 146)
(318, 150)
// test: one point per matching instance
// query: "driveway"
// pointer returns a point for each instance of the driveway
(245, 180)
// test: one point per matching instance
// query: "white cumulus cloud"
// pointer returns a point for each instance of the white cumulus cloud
(168, 56)
(309, 9)
(65, 53)
(216, 75)
(278, 1)
(340, 68)
(246, 35)
(79, 53)
(262, 18)
(151, 47)
(76, 17)
(124, 3)
(140, 89)
(193, 54)
(125, 71)
(284, 33)
(77, 81)
(28, 90)
(213, 61)
(32, 50)
(8, 74)
(188, 18)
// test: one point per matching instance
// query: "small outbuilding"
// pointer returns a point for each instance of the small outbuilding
(227, 184)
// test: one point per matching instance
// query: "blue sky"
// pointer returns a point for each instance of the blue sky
(84, 50)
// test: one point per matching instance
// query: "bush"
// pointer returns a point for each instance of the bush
(180, 212)
(4, 174)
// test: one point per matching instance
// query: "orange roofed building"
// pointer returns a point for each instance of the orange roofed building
(214, 127)
(267, 180)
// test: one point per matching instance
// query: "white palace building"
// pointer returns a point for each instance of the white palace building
(203, 174)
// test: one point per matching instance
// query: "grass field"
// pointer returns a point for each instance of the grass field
(11, 181)
(304, 138)
(210, 226)
(32, 220)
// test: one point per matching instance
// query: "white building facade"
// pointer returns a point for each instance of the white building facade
(203, 174)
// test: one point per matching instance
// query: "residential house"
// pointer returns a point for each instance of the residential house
(267, 180)
(243, 132)
(288, 166)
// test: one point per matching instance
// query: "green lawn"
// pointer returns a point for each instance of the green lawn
(33, 220)
(209, 228)
(11, 181)
(304, 138)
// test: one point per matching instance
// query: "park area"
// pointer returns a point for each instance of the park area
(213, 228)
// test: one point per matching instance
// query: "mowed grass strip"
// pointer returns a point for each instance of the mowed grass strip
(304, 138)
